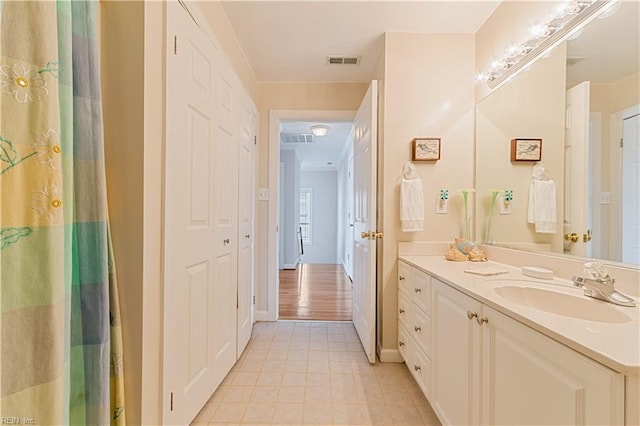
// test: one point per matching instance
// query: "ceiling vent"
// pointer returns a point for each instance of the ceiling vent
(294, 138)
(343, 60)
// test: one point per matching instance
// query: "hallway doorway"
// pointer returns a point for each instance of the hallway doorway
(319, 292)
(315, 211)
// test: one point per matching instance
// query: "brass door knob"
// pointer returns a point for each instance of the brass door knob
(365, 235)
(573, 237)
(586, 237)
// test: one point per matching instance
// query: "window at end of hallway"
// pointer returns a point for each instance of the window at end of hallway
(305, 215)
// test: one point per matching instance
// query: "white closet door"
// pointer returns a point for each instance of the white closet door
(225, 220)
(189, 220)
(246, 194)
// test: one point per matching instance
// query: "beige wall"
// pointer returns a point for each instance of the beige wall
(530, 106)
(217, 18)
(428, 92)
(132, 51)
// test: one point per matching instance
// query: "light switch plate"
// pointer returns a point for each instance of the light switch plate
(263, 194)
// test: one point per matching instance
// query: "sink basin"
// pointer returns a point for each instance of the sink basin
(544, 297)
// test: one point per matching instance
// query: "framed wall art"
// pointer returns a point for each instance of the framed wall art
(425, 149)
(526, 149)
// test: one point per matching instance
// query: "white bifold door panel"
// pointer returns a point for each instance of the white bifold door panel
(208, 228)
(365, 220)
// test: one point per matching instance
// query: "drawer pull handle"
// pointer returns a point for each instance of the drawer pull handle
(416, 368)
(401, 278)
(401, 310)
(417, 290)
(417, 328)
(481, 320)
(225, 241)
(471, 315)
(401, 343)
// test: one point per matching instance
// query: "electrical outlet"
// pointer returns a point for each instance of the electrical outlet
(441, 203)
(505, 205)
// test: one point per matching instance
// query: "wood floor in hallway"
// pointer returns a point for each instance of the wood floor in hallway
(315, 292)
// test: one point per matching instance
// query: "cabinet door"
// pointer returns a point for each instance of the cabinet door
(404, 344)
(528, 377)
(456, 356)
(404, 310)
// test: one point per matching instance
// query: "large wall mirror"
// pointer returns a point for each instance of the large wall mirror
(575, 105)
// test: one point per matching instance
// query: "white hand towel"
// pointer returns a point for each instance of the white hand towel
(411, 205)
(542, 210)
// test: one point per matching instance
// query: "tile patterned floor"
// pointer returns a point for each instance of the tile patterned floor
(299, 373)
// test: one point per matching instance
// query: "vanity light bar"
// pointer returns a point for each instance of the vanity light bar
(544, 37)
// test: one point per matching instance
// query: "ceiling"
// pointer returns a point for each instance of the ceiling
(290, 40)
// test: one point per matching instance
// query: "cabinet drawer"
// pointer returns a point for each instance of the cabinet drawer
(404, 343)
(420, 329)
(404, 309)
(421, 290)
(404, 277)
(421, 370)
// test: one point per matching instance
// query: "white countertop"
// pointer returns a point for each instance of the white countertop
(614, 343)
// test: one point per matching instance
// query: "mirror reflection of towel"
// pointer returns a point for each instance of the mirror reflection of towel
(542, 210)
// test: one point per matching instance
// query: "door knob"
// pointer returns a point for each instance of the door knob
(586, 237)
(365, 235)
(225, 241)
(573, 237)
(247, 236)
(401, 310)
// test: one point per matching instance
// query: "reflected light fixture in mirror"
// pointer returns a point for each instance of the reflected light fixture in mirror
(319, 130)
(567, 19)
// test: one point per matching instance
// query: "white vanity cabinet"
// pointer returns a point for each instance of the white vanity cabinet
(491, 369)
(414, 323)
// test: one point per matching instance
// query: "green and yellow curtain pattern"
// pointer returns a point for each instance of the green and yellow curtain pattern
(60, 333)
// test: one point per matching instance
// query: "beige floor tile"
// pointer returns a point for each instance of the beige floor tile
(205, 415)
(251, 365)
(343, 367)
(258, 412)
(291, 394)
(295, 366)
(345, 395)
(318, 366)
(338, 346)
(318, 345)
(268, 378)
(277, 354)
(265, 394)
(376, 415)
(282, 345)
(299, 345)
(245, 378)
(319, 356)
(318, 379)
(288, 414)
(274, 365)
(343, 414)
(316, 413)
(259, 345)
(228, 412)
(238, 394)
(404, 416)
(335, 337)
(219, 393)
(257, 354)
(297, 355)
(293, 379)
(317, 394)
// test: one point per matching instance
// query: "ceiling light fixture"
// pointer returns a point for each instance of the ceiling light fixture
(319, 130)
(565, 21)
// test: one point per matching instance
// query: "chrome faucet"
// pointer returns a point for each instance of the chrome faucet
(599, 285)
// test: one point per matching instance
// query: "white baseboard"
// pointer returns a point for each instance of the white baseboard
(290, 266)
(260, 316)
(389, 355)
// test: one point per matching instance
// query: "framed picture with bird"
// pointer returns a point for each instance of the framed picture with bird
(526, 149)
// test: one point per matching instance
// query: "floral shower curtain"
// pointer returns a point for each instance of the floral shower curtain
(60, 334)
